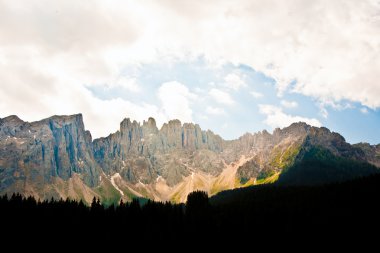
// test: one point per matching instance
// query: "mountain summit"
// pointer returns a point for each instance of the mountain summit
(56, 157)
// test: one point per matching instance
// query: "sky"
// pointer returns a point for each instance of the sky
(229, 66)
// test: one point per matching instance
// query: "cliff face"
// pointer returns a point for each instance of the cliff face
(371, 152)
(56, 157)
(142, 152)
(33, 154)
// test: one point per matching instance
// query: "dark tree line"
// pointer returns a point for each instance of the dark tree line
(249, 217)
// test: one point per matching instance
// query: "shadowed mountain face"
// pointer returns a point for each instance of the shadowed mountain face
(56, 157)
(35, 158)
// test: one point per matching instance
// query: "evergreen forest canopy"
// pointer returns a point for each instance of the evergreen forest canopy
(255, 213)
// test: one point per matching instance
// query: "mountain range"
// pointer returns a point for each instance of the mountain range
(57, 158)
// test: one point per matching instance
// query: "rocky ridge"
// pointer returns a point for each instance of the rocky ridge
(56, 157)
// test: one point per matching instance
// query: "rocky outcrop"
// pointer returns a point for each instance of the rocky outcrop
(142, 152)
(33, 154)
(371, 152)
(56, 157)
(273, 153)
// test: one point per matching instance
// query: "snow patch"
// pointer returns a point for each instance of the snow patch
(29, 131)
(158, 178)
(142, 139)
(116, 175)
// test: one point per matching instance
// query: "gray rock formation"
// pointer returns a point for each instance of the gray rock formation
(371, 152)
(142, 153)
(43, 158)
(32, 154)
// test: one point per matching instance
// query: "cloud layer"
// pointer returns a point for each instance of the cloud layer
(50, 51)
(221, 97)
(275, 117)
(175, 99)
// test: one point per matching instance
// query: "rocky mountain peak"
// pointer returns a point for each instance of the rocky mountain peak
(139, 156)
(264, 133)
(299, 125)
(42, 151)
(59, 121)
(10, 126)
(125, 122)
(12, 119)
(150, 123)
(174, 124)
(149, 127)
(295, 129)
(127, 125)
(66, 119)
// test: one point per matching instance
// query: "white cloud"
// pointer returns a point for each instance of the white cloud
(66, 96)
(49, 47)
(256, 94)
(336, 105)
(128, 83)
(202, 116)
(289, 104)
(225, 125)
(364, 110)
(291, 40)
(199, 90)
(275, 117)
(234, 82)
(328, 103)
(175, 99)
(215, 110)
(323, 111)
(221, 97)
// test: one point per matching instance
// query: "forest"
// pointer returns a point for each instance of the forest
(249, 216)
